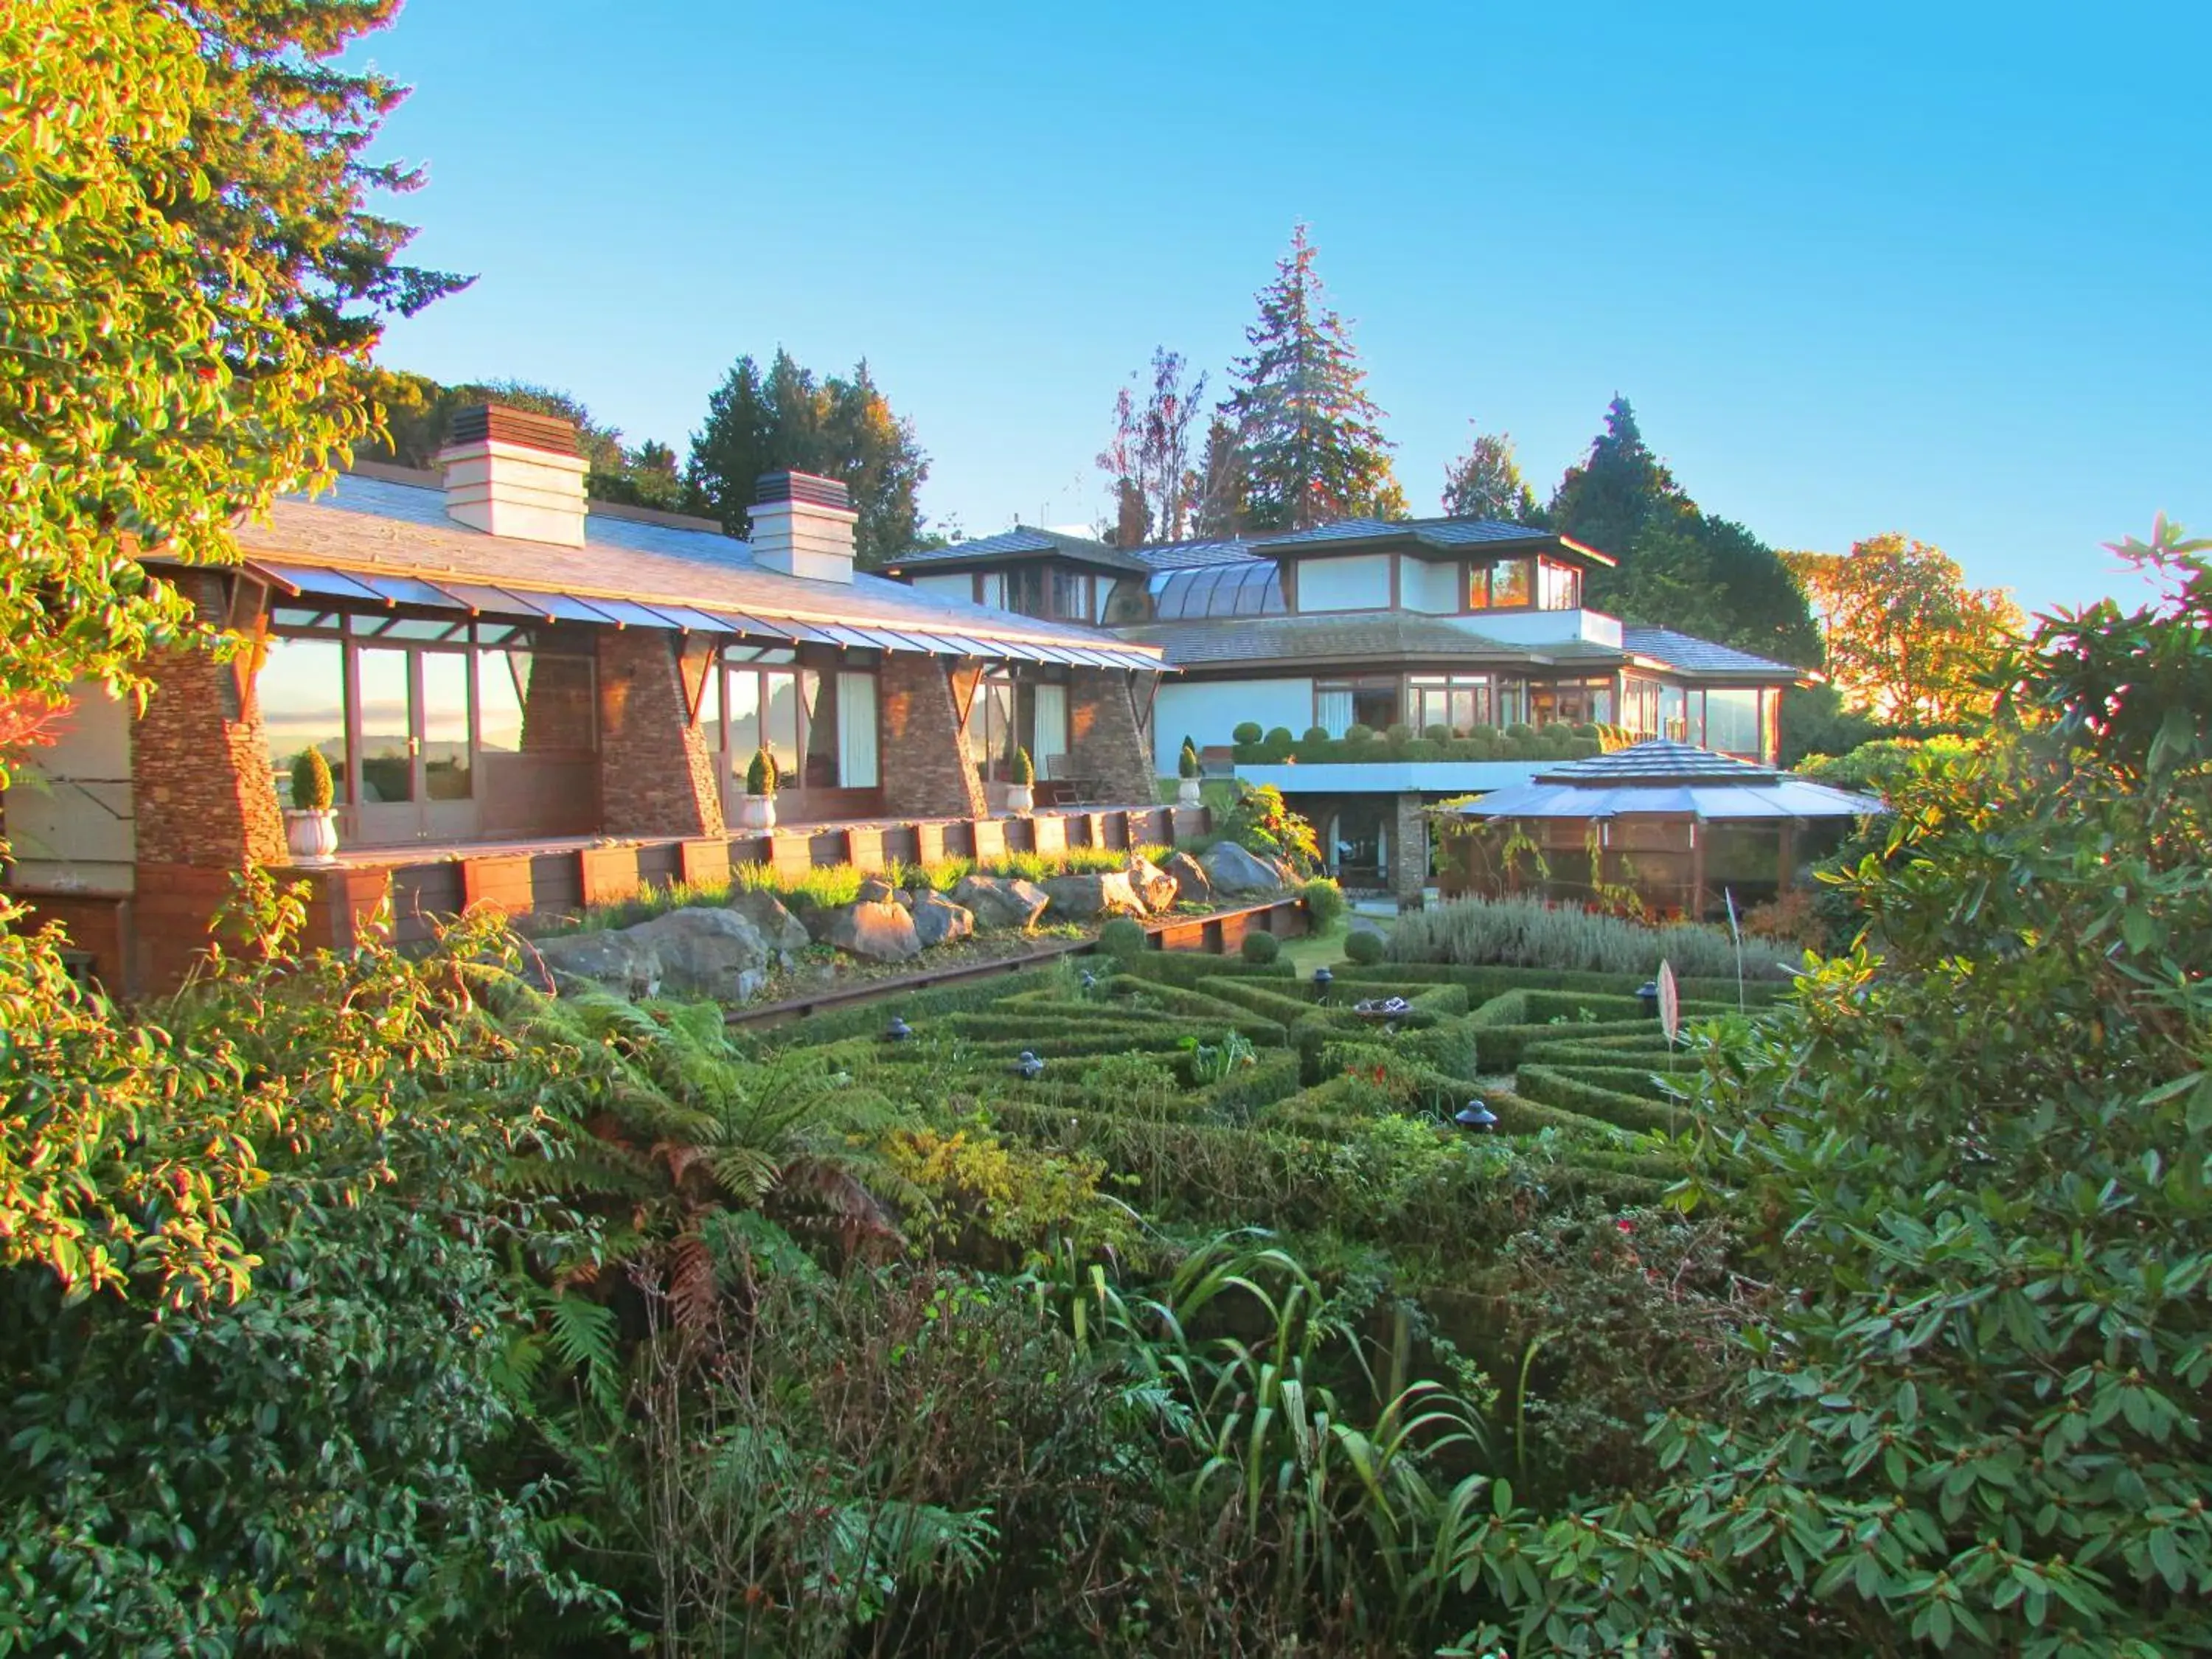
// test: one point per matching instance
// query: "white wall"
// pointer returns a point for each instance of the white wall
(960, 586)
(1360, 581)
(69, 818)
(1545, 627)
(1208, 711)
(1427, 585)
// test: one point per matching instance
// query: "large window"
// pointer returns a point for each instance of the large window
(1339, 705)
(1732, 721)
(818, 724)
(1499, 585)
(1462, 702)
(405, 708)
(1573, 702)
(1559, 587)
(1639, 710)
(1039, 590)
(1010, 714)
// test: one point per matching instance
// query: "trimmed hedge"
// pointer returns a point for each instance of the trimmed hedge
(1192, 969)
(1486, 981)
(1631, 1112)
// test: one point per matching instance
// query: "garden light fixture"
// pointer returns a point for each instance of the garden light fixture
(1475, 1116)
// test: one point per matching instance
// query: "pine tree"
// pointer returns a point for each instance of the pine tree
(1678, 567)
(1486, 482)
(1311, 437)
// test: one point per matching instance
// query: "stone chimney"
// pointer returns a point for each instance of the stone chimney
(803, 526)
(510, 472)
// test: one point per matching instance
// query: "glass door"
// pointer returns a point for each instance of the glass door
(413, 739)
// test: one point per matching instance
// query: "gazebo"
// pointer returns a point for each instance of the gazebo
(1683, 828)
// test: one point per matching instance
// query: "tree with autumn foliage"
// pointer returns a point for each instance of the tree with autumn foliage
(1908, 639)
(1310, 437)
(192, 280)
(1149, 459)
(788, 419)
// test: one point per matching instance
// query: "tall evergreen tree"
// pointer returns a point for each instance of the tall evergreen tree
(839, 427)
(1220, 509)
(1312, 439)
(1678, 567)
(1486, 482)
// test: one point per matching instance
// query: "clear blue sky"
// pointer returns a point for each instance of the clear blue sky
(1936, 268)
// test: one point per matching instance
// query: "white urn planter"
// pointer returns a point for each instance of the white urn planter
(1021, 799)
(311, 837)
(1187, 793)
(756, 812)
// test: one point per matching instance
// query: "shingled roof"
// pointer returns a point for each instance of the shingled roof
(1379, 635)
(382, 526)
(1695, 656)
(1025, 541)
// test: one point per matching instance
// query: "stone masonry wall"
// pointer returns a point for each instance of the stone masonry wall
(656, 776)
(1409, 850)
(1104, 740)
(202, 790)
(925, 767)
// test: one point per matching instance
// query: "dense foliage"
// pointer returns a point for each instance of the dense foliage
(787, 419)
(189, 277)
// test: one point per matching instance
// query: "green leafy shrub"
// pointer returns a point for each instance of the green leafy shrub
(313, 790)
(1261, 948)
(761, 774)
(1325, 903)
(1187, 764)
(1023, 773)
(1520, 731)
(1421, 749)
(1262, 822)
(1122, 937)
(1247, 732)
(1317, 734)
(1437, 732)
(1356, 733)
(1364, 947)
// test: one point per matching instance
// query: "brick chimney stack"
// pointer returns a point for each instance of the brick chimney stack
(803, 526)
(511, 472)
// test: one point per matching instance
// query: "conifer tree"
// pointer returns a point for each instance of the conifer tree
(836, 428)
(1312, 439)
(1486, 482)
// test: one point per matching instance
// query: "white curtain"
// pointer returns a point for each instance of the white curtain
(1333, 710)
(1051, 726)
(856, 729)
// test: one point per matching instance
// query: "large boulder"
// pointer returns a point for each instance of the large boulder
(1001, 901)
(1081, 898)
(937, 920)
(874, 889)
(1191, 886)
(706, 952)
(1154, 887)
(779, 929)
(875, 928)
(1232, 870)
(606, 956)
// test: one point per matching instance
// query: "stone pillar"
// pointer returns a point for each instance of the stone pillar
(1409, 850)
(656, 776)
(926, 766)
(1104, 740)
(201, 789)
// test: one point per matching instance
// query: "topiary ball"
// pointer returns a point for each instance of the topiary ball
(1358, 734)
(1317, 734)
(1247, 732)
(1397, 733)
(1437, 733)
(1279, 737)
(1363, 948)
(1122, 937)
(1260, 949)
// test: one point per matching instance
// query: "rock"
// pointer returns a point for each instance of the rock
(874, 929)
(1189, 878)
(1001, 901)
(1080, 898)
(705, 952)
(904, 897)
(1154, 887)
(1233, 870)
(874, 889)
(779, 929)
(607, 957)
(937, 920)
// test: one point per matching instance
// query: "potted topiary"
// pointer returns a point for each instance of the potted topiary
(310, 827)
(1188, 771)
(1021, 793)
(757, 810)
